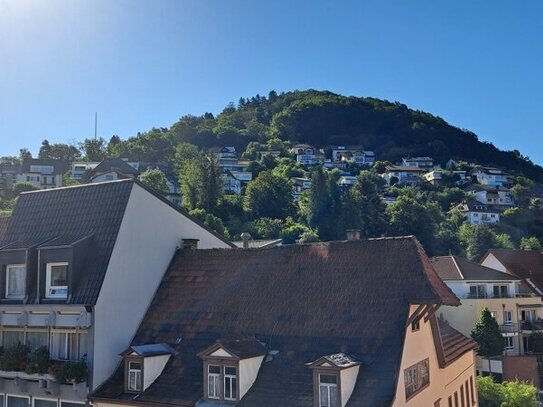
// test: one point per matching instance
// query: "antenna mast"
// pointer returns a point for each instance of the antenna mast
(95, 125)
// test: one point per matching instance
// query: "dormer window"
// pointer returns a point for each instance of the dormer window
(56, 280)
(229, 368)
(330, 374)
(143, 364)
(134, 375)
(328, 394)
(15, 281)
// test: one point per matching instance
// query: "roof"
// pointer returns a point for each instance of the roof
(4, 222)
(458, 268)
(114, 164)
(152, 349)
(487, 188)
(341, 360)
(243, 348)
(303, 301)
(59, 166)
(403, 168)
(451, 344)
(525, 264)
(476, 206)
(259, 243)
(64, 216)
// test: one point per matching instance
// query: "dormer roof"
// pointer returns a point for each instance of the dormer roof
(338, 360)
(458, 268)
(237, 348)
(152, 349)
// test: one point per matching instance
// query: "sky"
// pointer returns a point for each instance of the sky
(145, 63)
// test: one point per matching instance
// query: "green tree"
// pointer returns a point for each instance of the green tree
(488, 336)
(363, 207)
(45, 150)
(60, 151)
(518, 394)
(201, 185)
(23, 186)
(191, 184)
(94, 149)
(184, 153)
(25, 154)
(268, 196)
(488, 392)
(530, 243)
(155, 179)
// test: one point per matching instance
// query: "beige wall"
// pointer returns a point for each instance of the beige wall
(418, 346)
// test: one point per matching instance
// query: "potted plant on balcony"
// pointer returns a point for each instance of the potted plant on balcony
(39, 361)
(70, 372)
(15, 358)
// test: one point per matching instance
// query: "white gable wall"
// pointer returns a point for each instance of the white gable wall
(248, 370)
(492, 262)
(152, 368)
(150, 232)
(348, 381)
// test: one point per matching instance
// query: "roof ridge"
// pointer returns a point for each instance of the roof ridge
(76, 186)
(457, 267)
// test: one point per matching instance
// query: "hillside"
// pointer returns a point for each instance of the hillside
(322, 118)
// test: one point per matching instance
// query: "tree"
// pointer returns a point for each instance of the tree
(200, 184)
(363, 207)
(45, 150)
(268, 196)
(488, 336)
(530, 243)
(24, 154)
(60, 151)
(23, 186)
(184, 152)
(94, 149)
(155, 179)
(477, 239)
(507, 394)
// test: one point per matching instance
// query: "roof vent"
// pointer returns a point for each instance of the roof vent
(190, 244)
(353, 234)
(245, 236)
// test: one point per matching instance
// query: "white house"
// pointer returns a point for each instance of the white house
(43, 173)
(491, 176)
(476, 212)
(80, 267)
(299, 185)
(402, 175)
(307, 155)
(491, 195)
(425, 163)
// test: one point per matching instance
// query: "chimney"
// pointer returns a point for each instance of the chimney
(353, 234)
(190, 244)
(245, 236)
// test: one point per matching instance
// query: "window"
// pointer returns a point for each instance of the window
(416, 378)
(15, 281)
(134, 376)
(17, 401)
(71, 404)
(230, 383)
(328, 394)
(467, 393)
(477, 291)
(509, 344)
(450, 404)
(507, 317)
(501, 291)
(57, 280)
(36, 339)
(471, 390)
(415, 325)
(45, 403)
(528, 315)
(12, 338)
(68, 345)
(214, 382)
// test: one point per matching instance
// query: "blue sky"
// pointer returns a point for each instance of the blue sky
(139, 63)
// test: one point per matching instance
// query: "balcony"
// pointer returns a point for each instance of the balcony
(509, 329)
(531, 326)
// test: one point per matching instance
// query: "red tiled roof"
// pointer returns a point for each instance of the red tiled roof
(521, 263)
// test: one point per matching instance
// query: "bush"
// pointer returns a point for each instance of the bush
(507, 394)
(39, 361)
(70, 372)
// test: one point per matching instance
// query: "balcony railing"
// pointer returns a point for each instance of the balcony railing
(487, 296)
(509, 328)
(531, 325)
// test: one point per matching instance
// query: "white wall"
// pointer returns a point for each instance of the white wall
(152, 368)
(248, 370)
(348, 381)
(492, 262)
(150, 232)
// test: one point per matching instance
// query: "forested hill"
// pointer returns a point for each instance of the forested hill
(322, 118)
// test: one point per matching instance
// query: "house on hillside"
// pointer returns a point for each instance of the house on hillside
(113, 169)
(477, 213)
(491, 195)
(307, 155)
(510, 300)
(299, 185)
(352, 154)
(43, 173)
(423, 163)
(402, 175)
(491, 176)
(80, 267)
(323, 324)
(79, 168)
(233, 181)
(437, 177)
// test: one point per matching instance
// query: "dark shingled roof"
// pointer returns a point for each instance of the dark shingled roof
(113, 164)
(452, 344)
(152, 349)
(4, 222)
(525, 264)
(63, 216)
(303, 301)
(59, 166)
(458, 268)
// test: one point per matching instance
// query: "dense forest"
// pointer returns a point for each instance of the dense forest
(265, 206)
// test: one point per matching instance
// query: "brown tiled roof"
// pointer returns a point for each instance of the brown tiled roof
(302, 301)
(458, 268)
(450, 344)
(521, 263)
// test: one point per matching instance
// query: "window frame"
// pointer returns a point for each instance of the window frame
(216, 381)
(318, 371)
(15, 297)
(49, 287)
(18, 396)
(328, 387)
(34, 399)
(419, 384)
(222, 363)
(68, 350)
(127, 370)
